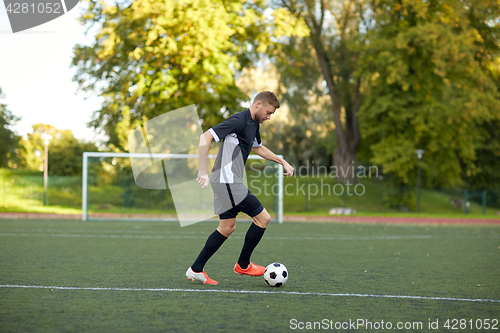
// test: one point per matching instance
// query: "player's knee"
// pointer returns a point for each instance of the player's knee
(267, 218)
(226, 231)
(263, 220)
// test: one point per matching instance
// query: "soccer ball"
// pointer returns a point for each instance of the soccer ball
(276, 274)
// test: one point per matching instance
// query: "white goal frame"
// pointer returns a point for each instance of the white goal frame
(86, 155)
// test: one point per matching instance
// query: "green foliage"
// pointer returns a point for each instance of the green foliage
(65, 152)
(428, 89)
(151, 57)
(65, 155)
(400, 198)
(305, 139)
(8, 139)
(301, 132)
(488, 159)
(302, 90)
(111, 182)
(320, 69)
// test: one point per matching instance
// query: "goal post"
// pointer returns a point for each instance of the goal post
(109, 189)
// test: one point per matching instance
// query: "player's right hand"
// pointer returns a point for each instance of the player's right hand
(288, 168)
(202, 179)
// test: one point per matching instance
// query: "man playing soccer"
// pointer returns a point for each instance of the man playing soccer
(240, 134)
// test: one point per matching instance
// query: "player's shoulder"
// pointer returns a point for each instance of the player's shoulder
(241, 118)
(242, 114)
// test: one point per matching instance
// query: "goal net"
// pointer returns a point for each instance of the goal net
(167, 189)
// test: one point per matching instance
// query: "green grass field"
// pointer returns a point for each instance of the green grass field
(460, 262)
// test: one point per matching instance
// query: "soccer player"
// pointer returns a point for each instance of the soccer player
(240, 134)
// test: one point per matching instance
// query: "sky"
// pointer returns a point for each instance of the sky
(36, 77)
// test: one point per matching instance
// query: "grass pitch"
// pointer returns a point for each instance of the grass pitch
(323, 260)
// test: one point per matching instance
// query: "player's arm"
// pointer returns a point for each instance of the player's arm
(270, 156)
(215, 133)
(204, 147)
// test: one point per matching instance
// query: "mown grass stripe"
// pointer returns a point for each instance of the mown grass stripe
(204, 237)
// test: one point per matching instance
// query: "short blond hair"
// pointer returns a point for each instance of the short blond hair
(267, 97)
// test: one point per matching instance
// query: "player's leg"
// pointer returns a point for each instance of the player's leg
(261, 218)
(226, 226)
(213, 243)
(227, 221)
(253, 237)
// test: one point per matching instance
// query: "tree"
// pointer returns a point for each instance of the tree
(334, 26)
(65, 152)
(7, 137)
(301, 133)
(432, 86)
(150, 57)
(483, 16)
(488, 163)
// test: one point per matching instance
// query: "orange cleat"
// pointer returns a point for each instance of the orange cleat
(252, 270)
(200, 277)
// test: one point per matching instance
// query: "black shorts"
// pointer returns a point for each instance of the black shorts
(249, 204)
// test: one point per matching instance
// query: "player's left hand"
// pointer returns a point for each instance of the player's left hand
(202, 179)
(288, 168)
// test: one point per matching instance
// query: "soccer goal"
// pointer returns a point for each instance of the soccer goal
(112, 189)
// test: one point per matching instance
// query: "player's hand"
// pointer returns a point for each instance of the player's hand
(288, 168)
(202, 179)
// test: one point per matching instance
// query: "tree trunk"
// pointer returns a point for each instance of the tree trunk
(344, 165)
(344, 156)
(348, 139)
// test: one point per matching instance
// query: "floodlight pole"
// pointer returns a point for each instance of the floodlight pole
(419, 153)
(46, 137)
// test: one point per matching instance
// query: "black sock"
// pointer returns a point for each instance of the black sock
(213, 243)
(252, 238)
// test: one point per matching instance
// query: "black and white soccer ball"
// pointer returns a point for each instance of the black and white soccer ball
(276, 274)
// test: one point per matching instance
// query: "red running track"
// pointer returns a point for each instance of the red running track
(286, 218)
(392, 219)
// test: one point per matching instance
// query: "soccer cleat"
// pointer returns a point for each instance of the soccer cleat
(200, 277)
(252, 270)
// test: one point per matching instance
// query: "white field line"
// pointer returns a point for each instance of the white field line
(252, 292)
(205, 236)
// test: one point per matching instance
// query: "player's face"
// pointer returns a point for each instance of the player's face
(265, 113)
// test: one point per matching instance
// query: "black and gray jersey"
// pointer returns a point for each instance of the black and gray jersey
(239, 134)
